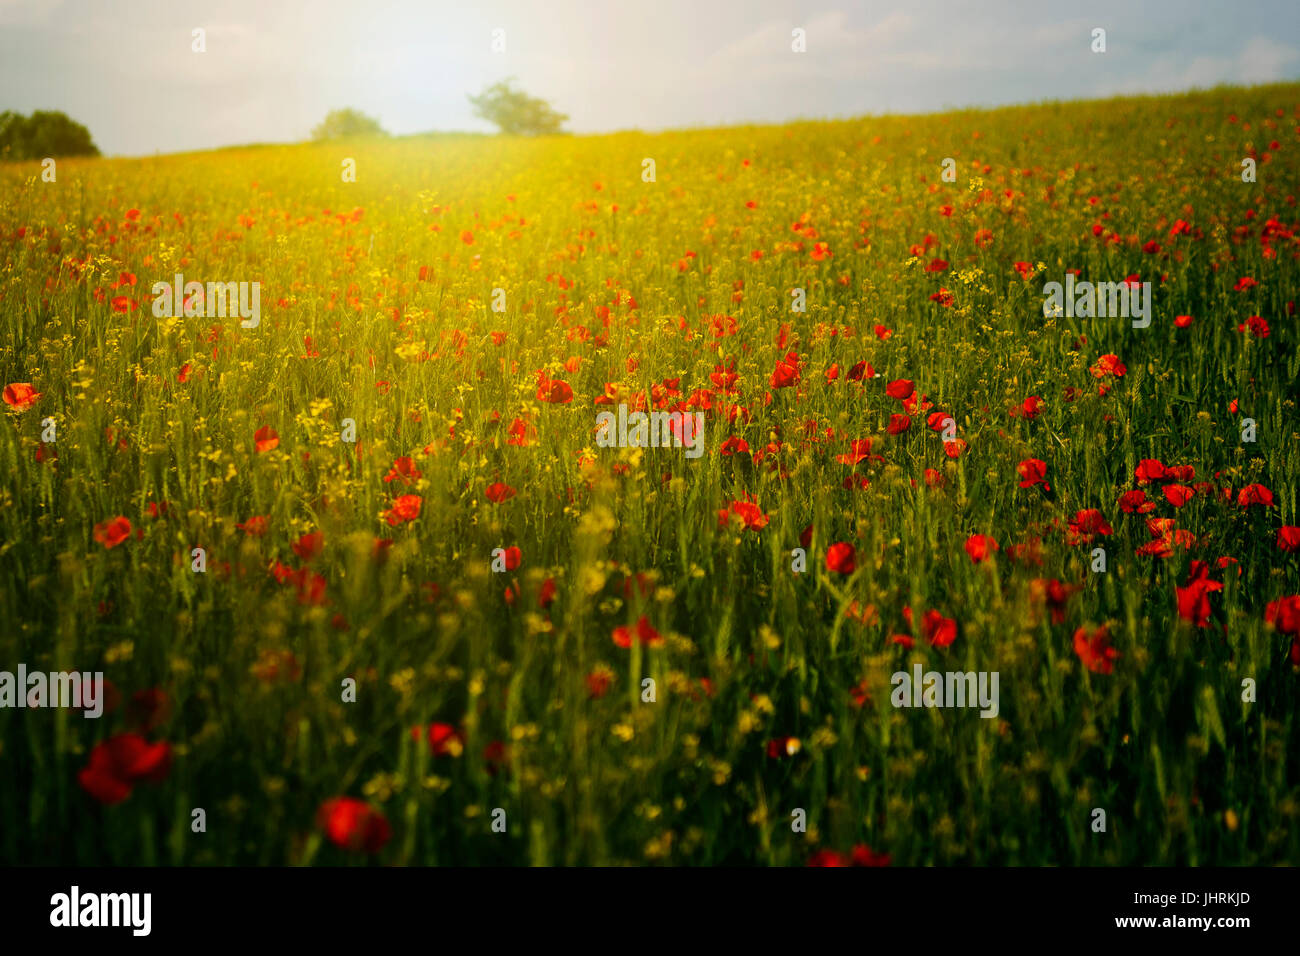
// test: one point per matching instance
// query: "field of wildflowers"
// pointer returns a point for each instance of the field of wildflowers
(365, 588)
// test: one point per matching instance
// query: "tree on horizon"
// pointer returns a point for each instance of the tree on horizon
(345, 124)
(516, 113)
(46, 133)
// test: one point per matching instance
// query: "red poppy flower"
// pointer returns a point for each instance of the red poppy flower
(1255, 495)
(495, 756)
(403, 470)
(1149, 470)
(841, 557)
(309, 585)
(1284, 614)
(779, 747)
(405, 508)
(940, 631)
(513, 557)
(1288, 538)
(148, 709)
(898, 424)
(1194, 599)
(309, 545)
(647, 635)
(860, 371)
(1029, 408)
(119, 763)
(1135, 502)
(863, 855)
(1258, 327)
(444, 740)
(266, 438)
(913, 404)
(751, 515)
(1094, 650)
(555, 392)
(255, 525)
(828, 858)
(353, 825)
(1178, 495)
(519, 433)
(546, 596)
(786, 373)
(113, 532)
(859, 449)
(499, 492)
(1085, 525)
(20, 396)
(1032, 471)
(900, 388)
(1054, 594)
(980, 546)
(1108, 365)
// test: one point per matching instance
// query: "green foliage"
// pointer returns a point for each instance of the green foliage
(347, 124)
(516, 113)
(44, 133)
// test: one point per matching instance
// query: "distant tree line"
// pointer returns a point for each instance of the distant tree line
(345, 124)
(516, 113)
(44, 133)
(510, 109)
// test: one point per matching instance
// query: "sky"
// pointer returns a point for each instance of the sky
(273, 68)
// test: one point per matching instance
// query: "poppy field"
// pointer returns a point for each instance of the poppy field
(369, 584)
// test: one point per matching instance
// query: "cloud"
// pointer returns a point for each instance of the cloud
(1261, 60)
(1266, 61)
(833, 46)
